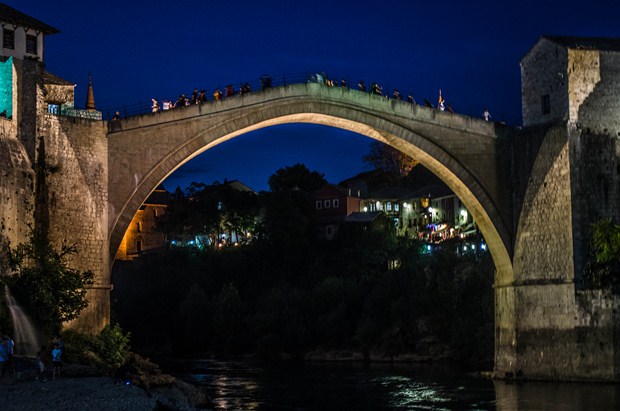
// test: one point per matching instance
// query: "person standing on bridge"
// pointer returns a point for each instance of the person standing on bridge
(486, 115)
(265, 82)
(194, 97)
(361, 86)
(154, 105)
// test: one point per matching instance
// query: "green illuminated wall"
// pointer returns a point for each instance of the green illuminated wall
(6, 86)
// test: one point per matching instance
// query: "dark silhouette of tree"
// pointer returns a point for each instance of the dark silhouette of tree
(296, 177)
(387, 158)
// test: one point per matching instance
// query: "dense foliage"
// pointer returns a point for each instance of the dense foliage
(603, 268)
(287, 293)
(44, 284)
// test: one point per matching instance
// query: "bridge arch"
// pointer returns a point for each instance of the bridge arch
(144, 150)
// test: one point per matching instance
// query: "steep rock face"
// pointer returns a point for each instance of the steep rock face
(16, 186)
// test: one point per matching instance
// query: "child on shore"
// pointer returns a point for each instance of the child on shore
(56, 361)
(40, 363)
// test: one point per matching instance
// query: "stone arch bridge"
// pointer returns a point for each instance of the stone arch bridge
(466, 153)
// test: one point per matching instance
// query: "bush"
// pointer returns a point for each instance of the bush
(111, 345)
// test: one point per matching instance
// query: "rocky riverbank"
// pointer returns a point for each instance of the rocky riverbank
(80, 388)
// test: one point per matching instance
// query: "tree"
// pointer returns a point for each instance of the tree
(45, 285)
(296, 177)
(603, 269)
(387, 158)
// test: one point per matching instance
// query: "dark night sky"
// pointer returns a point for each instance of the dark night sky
(140, 49)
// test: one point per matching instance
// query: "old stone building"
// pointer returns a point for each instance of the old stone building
(142, 237)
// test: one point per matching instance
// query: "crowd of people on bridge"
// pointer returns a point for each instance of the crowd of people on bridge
(200, 96)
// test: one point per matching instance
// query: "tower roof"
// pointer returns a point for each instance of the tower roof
(10, 15)
(586, 43)
(90, 96)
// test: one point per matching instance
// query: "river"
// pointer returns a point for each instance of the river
(249, 385)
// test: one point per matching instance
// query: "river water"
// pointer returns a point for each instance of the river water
(248, 385)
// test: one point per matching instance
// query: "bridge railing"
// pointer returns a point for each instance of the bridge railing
(257, 85)
(144, 107)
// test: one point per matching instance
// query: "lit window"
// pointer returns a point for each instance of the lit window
(319, 205)
(31, 44)
(8, 39)
(155, 212)
(327, 203)
(336, 203)
(139, 226)
(53, 109)
(396, 207)
(388, 206)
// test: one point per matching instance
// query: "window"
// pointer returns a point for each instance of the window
(319, 205)
(545, 103)
(388, 206)
(53, 109)
(139, 246)
(8, 39)
(329, 230)
(31, 44)
(155, 212)
(139, 226)
(396, 207)
(327, 203)
(335, 203)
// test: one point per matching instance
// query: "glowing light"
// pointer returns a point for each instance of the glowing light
(464, 213)
(365, 209)
(483, 246)
(431, 210)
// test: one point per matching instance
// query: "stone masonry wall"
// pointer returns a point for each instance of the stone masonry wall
(77, 190)
(16, 187)
(542, 198)
(543, 72)
(594, 89)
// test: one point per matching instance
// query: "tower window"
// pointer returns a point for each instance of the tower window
(31, 44)
(545, 104)
(8, 39)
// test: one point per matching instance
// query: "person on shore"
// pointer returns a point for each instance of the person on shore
(40, 363)
(3, 358)
(9, 347)
(56, 361)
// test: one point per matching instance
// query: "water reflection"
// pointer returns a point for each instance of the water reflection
(345, 386)
(556, 396)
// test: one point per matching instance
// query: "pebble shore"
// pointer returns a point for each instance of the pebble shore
(22, 392)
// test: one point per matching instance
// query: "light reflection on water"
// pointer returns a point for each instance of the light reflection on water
(245, 385)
